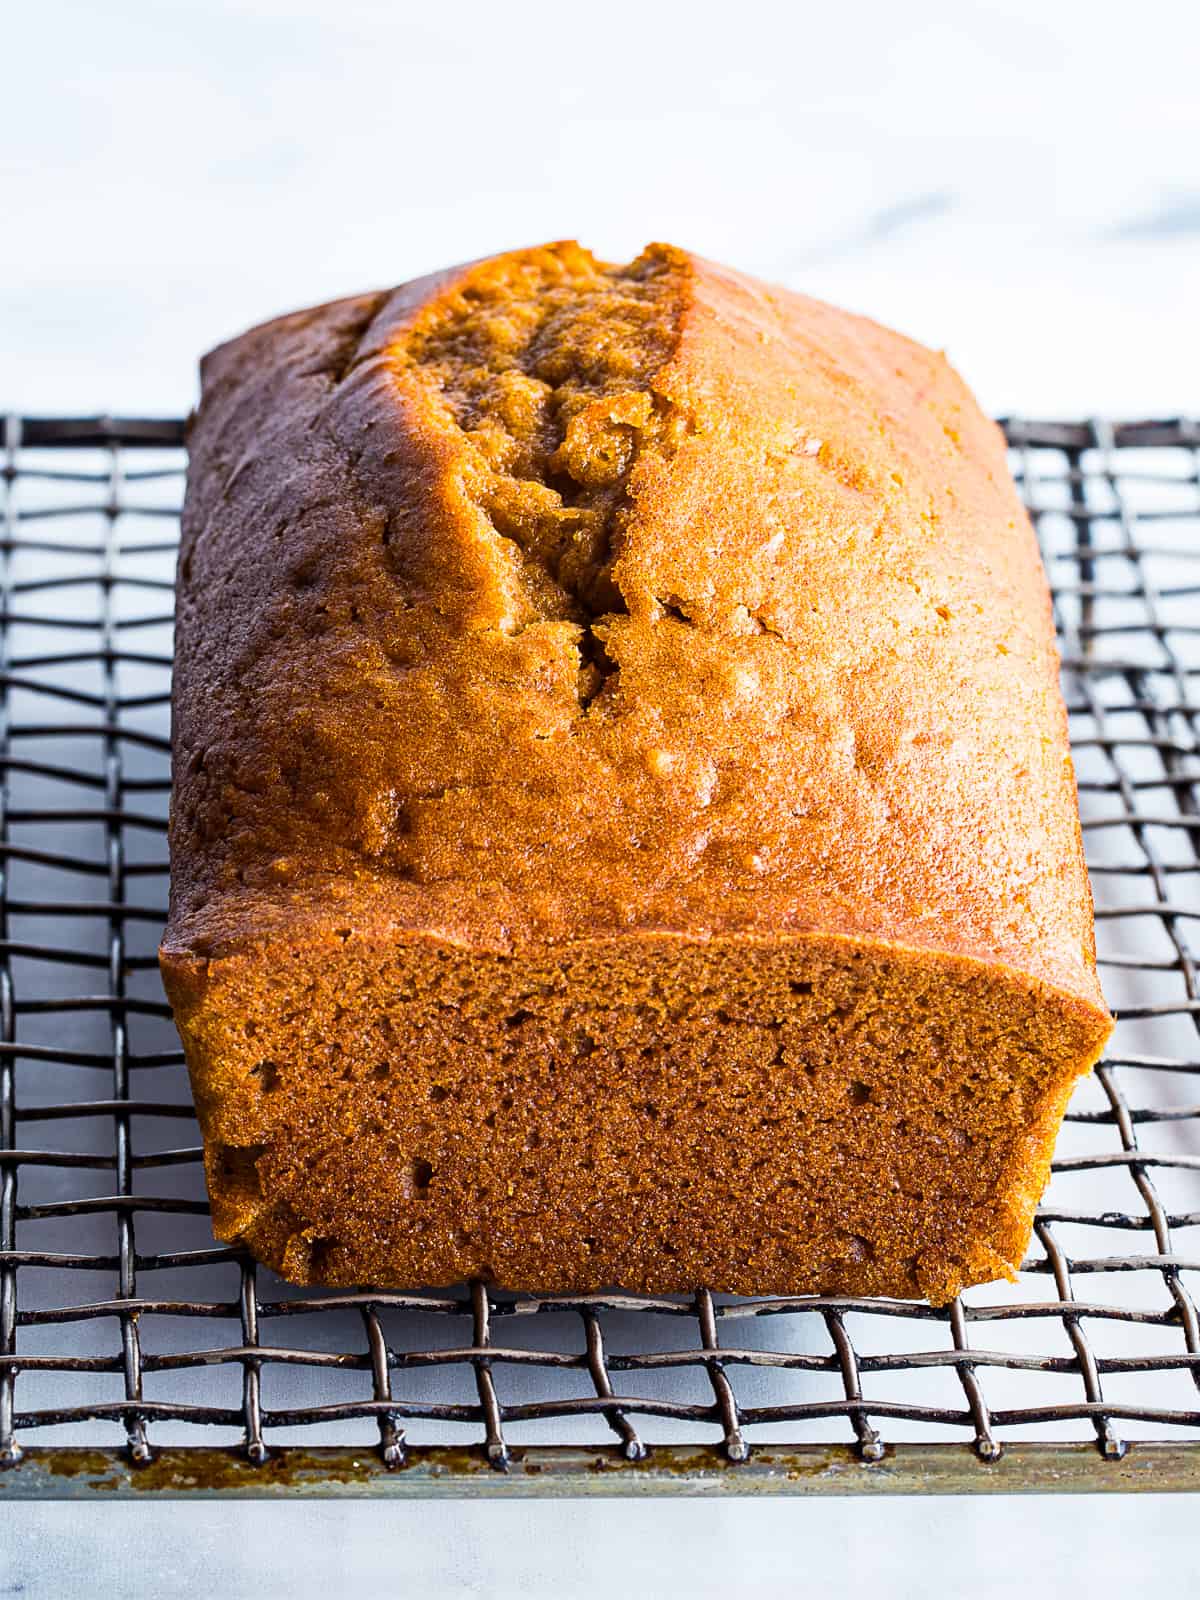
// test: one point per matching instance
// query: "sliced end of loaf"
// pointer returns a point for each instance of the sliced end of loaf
(824, 1116)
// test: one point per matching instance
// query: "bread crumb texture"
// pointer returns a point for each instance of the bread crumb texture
(624, 829)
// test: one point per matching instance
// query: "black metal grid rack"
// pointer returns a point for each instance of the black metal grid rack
(136, 1355)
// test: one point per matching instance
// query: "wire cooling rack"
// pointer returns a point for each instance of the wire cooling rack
(135, 1355)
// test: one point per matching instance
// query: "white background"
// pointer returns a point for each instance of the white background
(1018, 183)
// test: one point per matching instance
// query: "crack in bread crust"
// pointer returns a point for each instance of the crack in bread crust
(544, 364)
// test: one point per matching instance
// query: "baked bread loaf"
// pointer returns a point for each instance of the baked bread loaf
(624, 829)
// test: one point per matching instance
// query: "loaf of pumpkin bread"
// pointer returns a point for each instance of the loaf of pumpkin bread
(624, 831)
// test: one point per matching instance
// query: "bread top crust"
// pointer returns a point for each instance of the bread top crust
(736, 629)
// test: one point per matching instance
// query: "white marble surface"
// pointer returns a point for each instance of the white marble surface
(934, 1549)
(1019, 183)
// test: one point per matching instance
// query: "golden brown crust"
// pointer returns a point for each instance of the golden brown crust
(542, 606)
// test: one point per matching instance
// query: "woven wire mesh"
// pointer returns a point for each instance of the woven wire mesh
(120, 1320)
